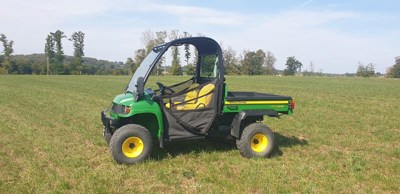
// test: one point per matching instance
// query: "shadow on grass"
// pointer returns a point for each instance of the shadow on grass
(191, 146)
(286, 141)
(174, 149)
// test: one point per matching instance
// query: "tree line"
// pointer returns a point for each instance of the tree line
(55, 55)
(37, 64)
(249, 62)
(54, 61)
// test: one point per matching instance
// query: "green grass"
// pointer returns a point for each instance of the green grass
(344, 138)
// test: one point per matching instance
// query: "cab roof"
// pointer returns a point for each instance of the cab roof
(204, 45)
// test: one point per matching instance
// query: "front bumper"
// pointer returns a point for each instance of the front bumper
(107, 121)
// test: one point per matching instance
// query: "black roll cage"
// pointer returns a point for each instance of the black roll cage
(204, 46)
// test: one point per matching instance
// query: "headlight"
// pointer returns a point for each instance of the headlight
(127, 109)
(120, 109)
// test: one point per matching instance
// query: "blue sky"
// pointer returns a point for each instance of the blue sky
(334, 35)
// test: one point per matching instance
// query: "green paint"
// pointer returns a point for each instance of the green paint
(145, 105)
(280, 108)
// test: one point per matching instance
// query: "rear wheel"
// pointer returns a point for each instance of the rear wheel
(257, 140)
(131, 144)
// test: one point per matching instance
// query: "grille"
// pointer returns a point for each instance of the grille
(117, 108)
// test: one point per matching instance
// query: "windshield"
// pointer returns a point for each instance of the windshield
(143, 69)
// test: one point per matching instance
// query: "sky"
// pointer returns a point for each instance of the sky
(335, 36)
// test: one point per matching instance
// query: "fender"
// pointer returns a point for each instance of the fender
(145, 106)
(242, 115)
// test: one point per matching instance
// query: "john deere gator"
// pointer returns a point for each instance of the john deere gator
(199, 107)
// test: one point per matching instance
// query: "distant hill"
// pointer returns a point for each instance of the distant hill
(37, 63)
(68, 59)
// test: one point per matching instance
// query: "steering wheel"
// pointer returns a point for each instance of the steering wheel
(165, 90)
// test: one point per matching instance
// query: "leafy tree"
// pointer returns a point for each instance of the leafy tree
(269, 63)
(160, 39)
(49, 50)
(130, 64)
(7, 51)
(187, 48)
(140, 54)
(38, 68)
(78, 40)
(292, 66)
(207, 65)
(394, 71)
(196, 56)
(231, 62)
(59, 54)
(190, 69)
(176, 68)
(119, 71)
(22, 66)
(148, 40)
(365, 70)
(252, 62)
(36, 64)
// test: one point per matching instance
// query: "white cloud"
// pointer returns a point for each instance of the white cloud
(200, 15)
(308, 35)
(47, 11)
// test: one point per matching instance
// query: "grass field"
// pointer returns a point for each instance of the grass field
(344, 138)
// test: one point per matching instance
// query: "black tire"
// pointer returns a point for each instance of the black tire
(131, 144)
(107, 136)
(257, 140)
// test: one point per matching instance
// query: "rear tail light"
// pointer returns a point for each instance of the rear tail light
(293, 104)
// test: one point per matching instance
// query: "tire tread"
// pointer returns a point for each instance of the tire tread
(116, 151)
(243, 144)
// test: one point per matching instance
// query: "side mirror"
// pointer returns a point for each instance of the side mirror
(139, 88)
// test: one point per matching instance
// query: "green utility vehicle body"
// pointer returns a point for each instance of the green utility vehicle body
(146, 108)
(200, 107)
(272, 107)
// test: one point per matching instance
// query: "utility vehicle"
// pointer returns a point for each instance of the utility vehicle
(197, 108)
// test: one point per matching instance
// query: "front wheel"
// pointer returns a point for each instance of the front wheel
(131, 144)
(257, 140)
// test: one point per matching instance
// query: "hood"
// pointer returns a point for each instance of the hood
(124, 99)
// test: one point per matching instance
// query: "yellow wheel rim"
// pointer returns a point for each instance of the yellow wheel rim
(132, 147)
(259, 142)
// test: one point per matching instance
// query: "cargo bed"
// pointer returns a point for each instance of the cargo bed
(250, 101)
(249, 96)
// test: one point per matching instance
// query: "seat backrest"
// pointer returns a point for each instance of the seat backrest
(192, 94)
(205, 95)
(196, 101)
